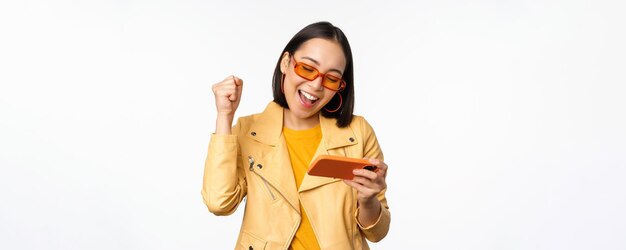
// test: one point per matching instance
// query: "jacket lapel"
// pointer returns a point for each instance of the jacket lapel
(277, 170)
(274, 157)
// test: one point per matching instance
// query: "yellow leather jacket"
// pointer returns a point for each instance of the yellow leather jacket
(253, 162)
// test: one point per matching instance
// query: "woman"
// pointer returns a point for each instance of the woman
(265, 156)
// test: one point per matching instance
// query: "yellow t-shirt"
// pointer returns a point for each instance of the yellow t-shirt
(302, 145)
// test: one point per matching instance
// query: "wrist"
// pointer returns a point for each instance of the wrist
(370, 204)
(226, 115)
(223, 124)
(369, 212)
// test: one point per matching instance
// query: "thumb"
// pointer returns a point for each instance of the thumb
(238, 87)
(237, 81)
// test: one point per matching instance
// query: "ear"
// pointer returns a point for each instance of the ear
(284, 62)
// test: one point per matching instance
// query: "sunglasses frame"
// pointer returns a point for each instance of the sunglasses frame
(342, 84)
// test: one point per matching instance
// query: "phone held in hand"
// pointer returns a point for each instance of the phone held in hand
(341, 167)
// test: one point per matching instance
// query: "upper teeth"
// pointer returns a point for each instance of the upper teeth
(308, 96)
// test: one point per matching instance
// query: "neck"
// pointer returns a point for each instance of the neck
(292, 122)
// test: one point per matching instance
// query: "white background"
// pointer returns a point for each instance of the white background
(503, 122)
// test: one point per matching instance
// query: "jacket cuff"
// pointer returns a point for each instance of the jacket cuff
(215, 138)
(379, 229)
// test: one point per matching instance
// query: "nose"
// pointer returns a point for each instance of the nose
(317, 83)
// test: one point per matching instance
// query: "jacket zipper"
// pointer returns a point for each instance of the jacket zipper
(267, 186)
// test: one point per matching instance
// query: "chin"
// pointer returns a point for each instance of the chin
(302, 114)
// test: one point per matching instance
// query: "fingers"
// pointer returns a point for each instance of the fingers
(365, 173)
(230, 81)
(369, 179)
(358, 186)
(353, 184)
(238, 87)
(228, 94)
(363, 181)
(381, 169)
(369, 183)
(227, 90)
(363, 191)
(381, 166)
(230, 88)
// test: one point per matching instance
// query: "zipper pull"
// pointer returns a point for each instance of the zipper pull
(251, 161)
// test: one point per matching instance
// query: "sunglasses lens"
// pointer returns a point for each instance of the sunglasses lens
(332, 82)
(306, 72)
(310, 73)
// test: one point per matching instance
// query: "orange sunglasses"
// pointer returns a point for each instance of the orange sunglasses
(311, 73)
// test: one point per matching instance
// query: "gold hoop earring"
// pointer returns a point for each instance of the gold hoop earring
(338, 107)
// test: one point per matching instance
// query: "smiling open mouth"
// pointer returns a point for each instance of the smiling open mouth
(307, 99)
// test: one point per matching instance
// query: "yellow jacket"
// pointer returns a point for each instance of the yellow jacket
(253, 162)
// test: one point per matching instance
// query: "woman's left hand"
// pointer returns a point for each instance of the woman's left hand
(369, 183)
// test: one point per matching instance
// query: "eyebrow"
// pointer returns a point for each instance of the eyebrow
(318, 64)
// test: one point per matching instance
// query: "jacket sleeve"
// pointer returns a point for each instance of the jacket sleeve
(224, 182)
(379, 229)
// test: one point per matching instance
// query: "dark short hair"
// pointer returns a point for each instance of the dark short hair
(324, 30)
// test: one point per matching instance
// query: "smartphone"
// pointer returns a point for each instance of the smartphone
(341, 167)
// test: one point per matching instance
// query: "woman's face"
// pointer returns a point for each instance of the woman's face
(306, 98)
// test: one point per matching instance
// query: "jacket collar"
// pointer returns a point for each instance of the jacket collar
(268, 129)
